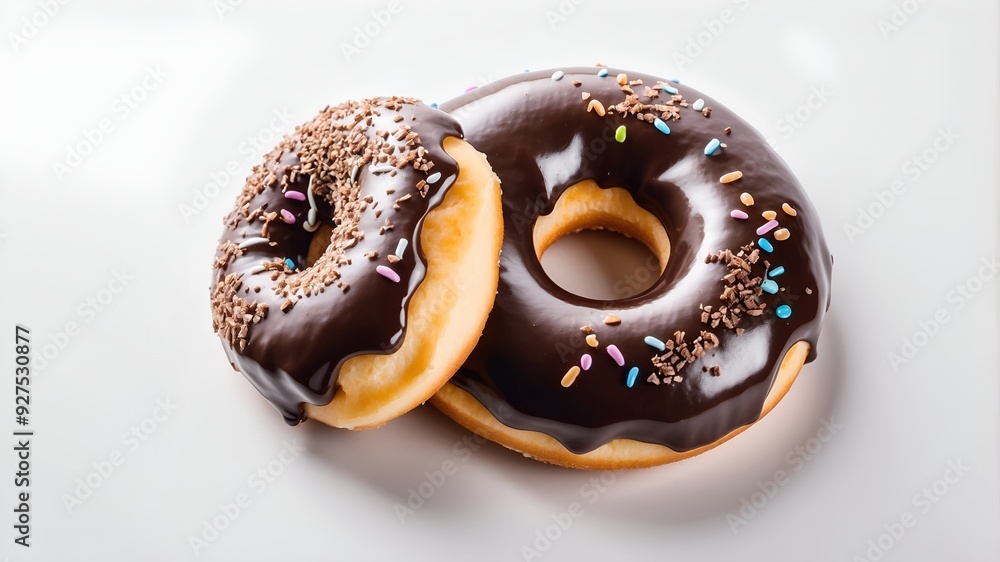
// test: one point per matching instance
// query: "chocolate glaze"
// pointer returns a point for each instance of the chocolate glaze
(294, 357)
(540, 139)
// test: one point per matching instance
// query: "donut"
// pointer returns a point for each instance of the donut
(742, 279)
(349, 248)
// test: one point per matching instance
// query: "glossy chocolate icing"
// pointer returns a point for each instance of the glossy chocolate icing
(540, 139)
(293, 357)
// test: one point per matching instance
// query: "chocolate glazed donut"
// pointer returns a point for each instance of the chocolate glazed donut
(743, 281)
(289, 324)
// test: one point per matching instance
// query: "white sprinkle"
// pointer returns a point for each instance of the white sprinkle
(698, 105)
(401, 247)
(433, 178)
(310, 225)
(557, 75)
(256, 269)
(382, 168)
(252, 242)
(355, 172)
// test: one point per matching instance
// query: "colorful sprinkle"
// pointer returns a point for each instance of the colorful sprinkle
(470, 88)
(769, 286)
(433, 178)
(788, 209)
(287, 216)
(669, 89)
(781, 234)
(616, 354)
(603, 73)
(712, 147)
(596, 107)
(252, 242)
(620, 133)
(767, 227)
(592, 340)
(289, 263)
(661, 126)
(387, 273)
(622, 79)
(783, 311)
(655, 343)
(295, 195)
(769, 215)
(738, 214)
(434, 104)
(401, 247)
(570, 376)
(586, 361)
(698, 105)
(731, 176)
(632, 374)
(746, 199)
(558, 75)
(776, 271)
(765, 245)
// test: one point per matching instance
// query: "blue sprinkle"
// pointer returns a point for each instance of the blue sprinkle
(655, 343)
(289, 263)
(669, 89)
(765, 245)
(783, 311)
(769, 286)
(434, 104)
(712, 147)
(675, 80)
(632, 374)
(661, 126)
(602, 72)
(776, 271)
(698, 105)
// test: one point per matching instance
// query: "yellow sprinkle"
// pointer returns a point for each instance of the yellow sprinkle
(596, 106)
(746, 198)
(789, 209)
(612, 319)
(623, 79)
(731, 177)
(586, 96)
(781, 234)
(592, 340)
(570, 376)
(769, 215)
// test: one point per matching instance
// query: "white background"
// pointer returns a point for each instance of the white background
(889, 91)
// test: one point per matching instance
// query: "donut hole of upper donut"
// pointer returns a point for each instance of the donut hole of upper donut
(600, 244)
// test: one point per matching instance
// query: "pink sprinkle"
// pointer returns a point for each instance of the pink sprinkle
(296, 195)
(768, 227)
(738, 214)
(586, 362)
(470, 88)
(616, 355)
(387, 273)
(287, 216)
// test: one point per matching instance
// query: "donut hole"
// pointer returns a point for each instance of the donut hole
(600, 244)
(319, 243)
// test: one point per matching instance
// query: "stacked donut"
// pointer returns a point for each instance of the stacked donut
(361, 272)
